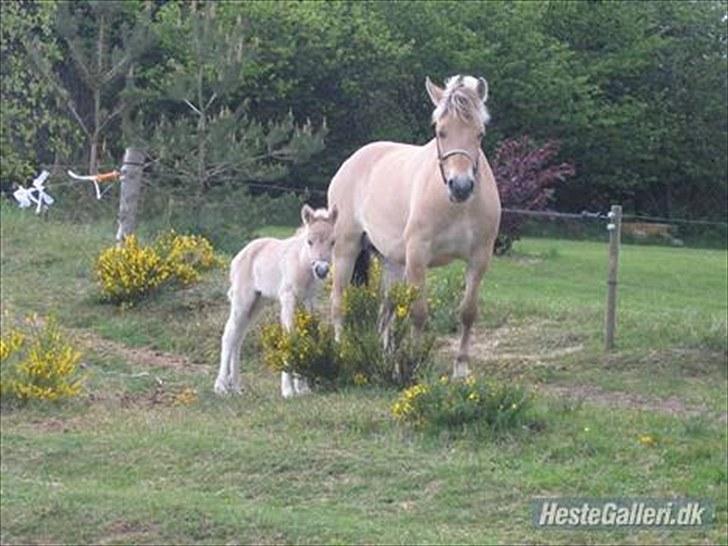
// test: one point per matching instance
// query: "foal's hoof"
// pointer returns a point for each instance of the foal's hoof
(460, 369)
(221, 387)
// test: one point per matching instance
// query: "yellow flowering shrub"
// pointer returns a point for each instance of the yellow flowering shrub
(129, 272)
(359, 358)
(456, 404)
(187, 256)
(40, 365)
(308, 349)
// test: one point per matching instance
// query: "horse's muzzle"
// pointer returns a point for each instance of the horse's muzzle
(460, 188)
(321, 269)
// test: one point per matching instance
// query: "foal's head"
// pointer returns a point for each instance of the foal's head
(318, 226)
(459, 118)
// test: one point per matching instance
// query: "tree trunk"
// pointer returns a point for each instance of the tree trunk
(131, 189)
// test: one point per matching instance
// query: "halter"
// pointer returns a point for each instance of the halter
(456, 151)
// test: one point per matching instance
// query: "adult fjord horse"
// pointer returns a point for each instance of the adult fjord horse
(422, 206)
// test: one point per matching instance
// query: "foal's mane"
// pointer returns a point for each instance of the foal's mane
(460, 99)
(319, 215)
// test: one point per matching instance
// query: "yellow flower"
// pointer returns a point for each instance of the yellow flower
(474, 397)
(648, 440)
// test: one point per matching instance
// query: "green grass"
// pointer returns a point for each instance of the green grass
(127, 465)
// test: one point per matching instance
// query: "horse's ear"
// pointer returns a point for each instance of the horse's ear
(333, 214)
(483, 89)
(434, 91)
(306, 214)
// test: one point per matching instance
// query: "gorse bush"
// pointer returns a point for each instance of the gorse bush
(131, 271)
(39, 364)
(447, 404)
(360, 357)
(309, 348)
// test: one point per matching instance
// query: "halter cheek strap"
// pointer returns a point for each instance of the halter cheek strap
(456, 151)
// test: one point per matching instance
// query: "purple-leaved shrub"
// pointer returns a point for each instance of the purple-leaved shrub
(525, 180)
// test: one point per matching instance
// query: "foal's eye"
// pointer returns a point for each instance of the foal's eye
(310, 242)
(442, 134)
(481, 135)
(332, 243)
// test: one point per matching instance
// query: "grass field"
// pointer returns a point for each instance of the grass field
(125, 463)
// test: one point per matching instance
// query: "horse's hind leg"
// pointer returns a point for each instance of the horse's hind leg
(242, 308)
(391, 273)
(345, 253)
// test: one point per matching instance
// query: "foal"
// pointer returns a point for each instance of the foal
(288, 270)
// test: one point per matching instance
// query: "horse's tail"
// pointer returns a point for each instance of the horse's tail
(360, 276)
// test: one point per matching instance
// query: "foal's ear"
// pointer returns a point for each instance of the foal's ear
(333, 214)
(306, 214)
(434, 91)
(482, 89)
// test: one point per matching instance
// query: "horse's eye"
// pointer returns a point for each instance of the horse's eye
(481, 135)
(442, 134)
(310, 242)
(332, 243)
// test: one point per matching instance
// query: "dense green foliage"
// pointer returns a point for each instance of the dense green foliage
(634, 91)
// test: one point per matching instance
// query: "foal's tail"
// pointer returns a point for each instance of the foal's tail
(360, 276)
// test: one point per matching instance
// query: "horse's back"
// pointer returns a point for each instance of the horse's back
(368, 187)
(256, 266)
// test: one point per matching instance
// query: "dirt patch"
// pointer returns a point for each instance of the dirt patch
(523, 343)
(599, 397)
(543, 343)
(139, 356)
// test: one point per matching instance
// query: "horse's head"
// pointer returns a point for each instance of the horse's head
(459, 118)
(318, 226)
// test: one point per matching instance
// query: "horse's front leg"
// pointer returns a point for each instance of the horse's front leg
(287, 300)
(415, 274)
(468, 313)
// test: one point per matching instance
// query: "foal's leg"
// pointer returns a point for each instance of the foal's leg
(288, 306)
(241, 305)
(300, 383)
(468, 313)
(254, 309)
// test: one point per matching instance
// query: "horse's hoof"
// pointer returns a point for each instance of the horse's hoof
(460, 369)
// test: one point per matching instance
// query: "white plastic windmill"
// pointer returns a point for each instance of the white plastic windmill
(35, 194)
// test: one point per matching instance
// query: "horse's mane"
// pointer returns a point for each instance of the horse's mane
(460, 99)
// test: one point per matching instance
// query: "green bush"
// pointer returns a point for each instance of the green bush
(443, 298)
(452, 404)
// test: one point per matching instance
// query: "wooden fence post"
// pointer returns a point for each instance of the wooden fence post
(131, 188)
(615, 235)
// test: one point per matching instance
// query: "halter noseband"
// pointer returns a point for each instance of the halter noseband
(456, 151)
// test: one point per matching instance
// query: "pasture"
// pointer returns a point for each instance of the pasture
(150, 455)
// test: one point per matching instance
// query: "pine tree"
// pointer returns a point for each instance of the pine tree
(103, 40)
(214, 141)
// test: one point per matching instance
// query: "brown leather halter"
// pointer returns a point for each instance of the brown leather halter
(456, 151)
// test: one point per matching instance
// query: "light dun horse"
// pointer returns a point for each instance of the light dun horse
(289, 270)
(422, 206)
